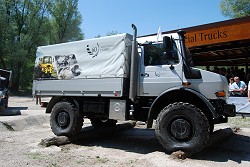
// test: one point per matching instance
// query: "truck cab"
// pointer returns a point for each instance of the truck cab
(167, 67)
(170, 65)
(176, 94)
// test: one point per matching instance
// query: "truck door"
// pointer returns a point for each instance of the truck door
(159, 69)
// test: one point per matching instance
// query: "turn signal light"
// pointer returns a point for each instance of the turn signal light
(186, 83)
(220, 94)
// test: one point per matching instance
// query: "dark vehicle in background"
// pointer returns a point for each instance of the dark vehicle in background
(5, 84)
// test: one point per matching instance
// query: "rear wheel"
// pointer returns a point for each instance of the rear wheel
(65, 119)
(182, 126)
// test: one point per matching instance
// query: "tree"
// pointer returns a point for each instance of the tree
(107, 34)
(235, 8)
(66, 21)
(98, 36)
(25, 25)
(3, 25)
(112, 33)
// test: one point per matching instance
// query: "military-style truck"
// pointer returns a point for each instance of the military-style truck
(123, 77)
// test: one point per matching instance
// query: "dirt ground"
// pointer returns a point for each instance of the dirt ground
(22, 132)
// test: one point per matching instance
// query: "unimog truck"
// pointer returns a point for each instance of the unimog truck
(123, 77)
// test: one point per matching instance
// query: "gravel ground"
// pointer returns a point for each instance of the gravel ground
(22, 132)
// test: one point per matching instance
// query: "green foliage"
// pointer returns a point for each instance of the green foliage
(66, 21)
(235, 8)
(239, 122)
(108, 34)
(112, 33)
(98, 36)
(27, 24)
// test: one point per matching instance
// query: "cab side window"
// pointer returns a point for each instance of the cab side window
(152, 55)
(155, 54)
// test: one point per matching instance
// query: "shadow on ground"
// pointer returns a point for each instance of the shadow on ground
(12, 111)
(136, 140)
(235, 147)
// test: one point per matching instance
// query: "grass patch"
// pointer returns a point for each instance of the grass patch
(239, 122)
(101, 160)
(54, 165)
(35, 156)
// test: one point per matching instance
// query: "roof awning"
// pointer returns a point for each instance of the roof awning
(225, 43)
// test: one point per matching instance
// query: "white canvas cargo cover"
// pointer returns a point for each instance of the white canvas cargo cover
(106, 57)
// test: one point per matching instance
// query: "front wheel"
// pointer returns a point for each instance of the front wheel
(182, 126)
(65, 119)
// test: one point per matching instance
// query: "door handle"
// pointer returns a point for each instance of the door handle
(157, 74)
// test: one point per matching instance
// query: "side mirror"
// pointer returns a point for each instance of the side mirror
(167, 43)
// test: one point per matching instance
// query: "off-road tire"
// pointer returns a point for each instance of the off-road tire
(65, 119)
(98, 123)
(182, 126)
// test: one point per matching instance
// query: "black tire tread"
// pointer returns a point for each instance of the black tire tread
(76, 126)
(201, 116)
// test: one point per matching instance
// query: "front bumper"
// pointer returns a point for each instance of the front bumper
(223, 109)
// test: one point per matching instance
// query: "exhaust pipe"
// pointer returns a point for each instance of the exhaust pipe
(133, 68)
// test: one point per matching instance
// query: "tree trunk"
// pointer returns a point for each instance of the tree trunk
(17, 79)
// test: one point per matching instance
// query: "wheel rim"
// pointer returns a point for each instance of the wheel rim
(63, 119)
(181, 129)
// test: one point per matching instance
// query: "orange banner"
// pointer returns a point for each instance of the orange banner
(226, 33)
